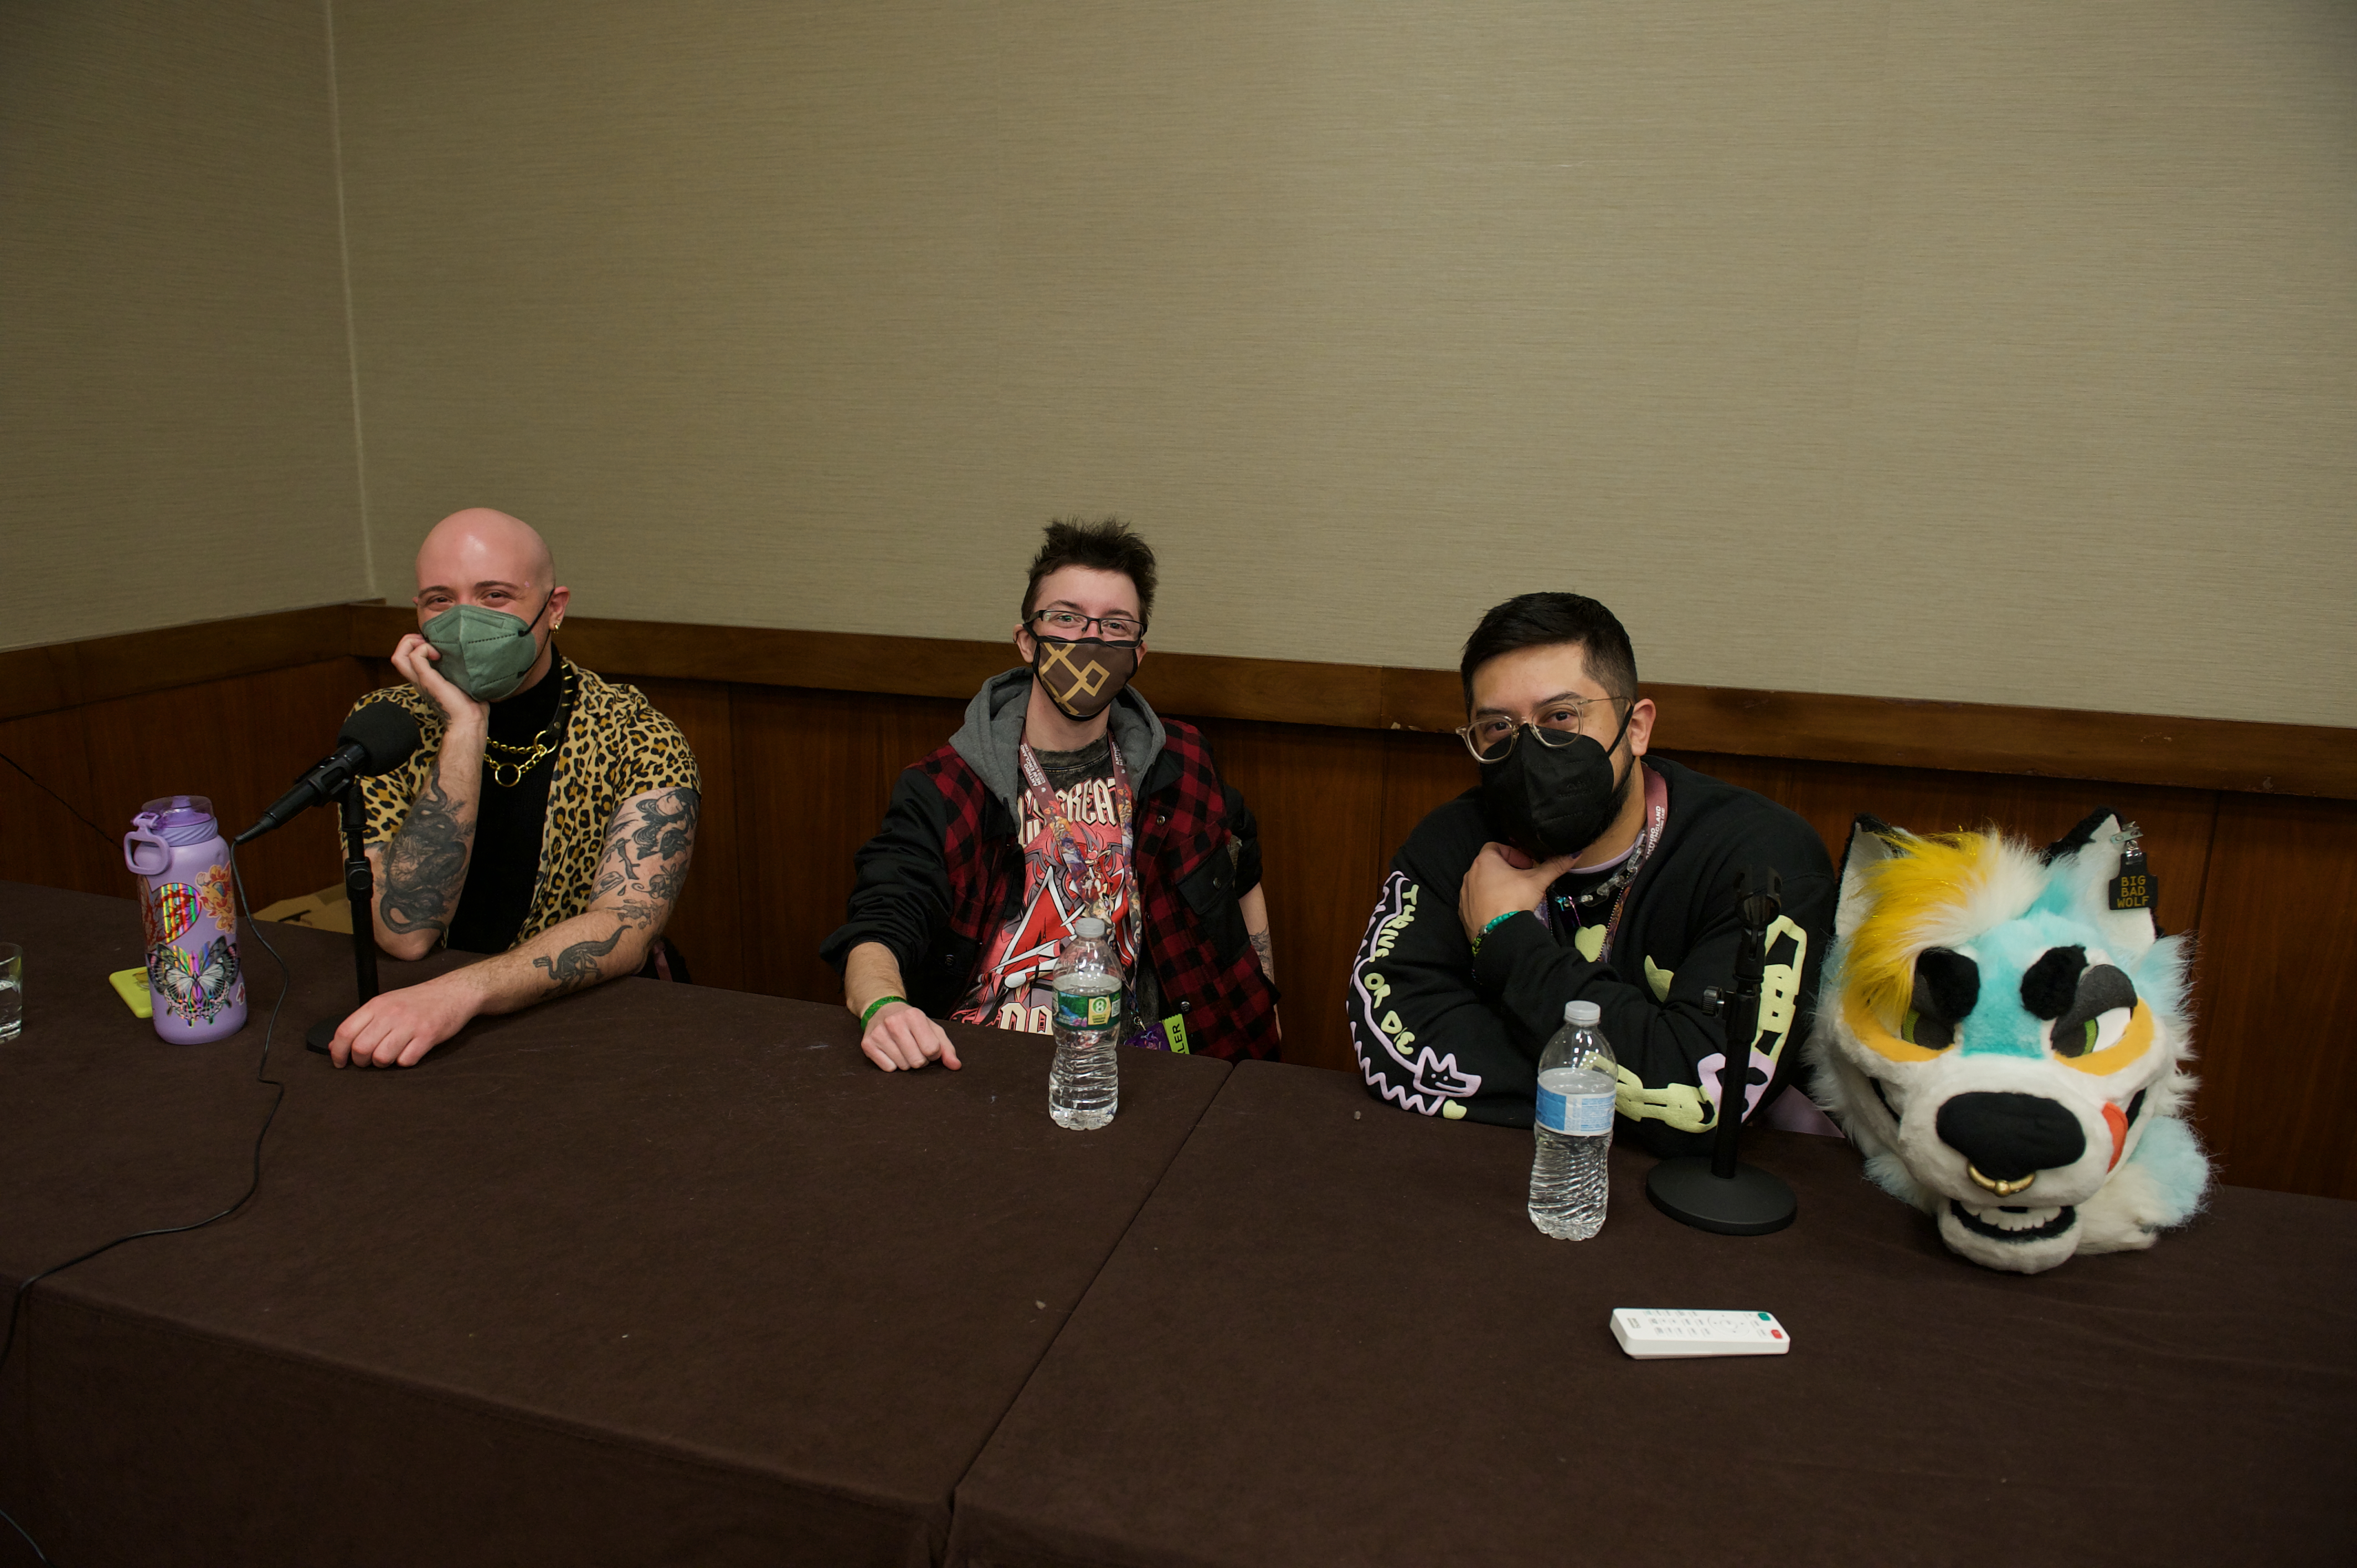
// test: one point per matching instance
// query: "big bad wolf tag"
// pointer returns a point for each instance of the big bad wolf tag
(2136, 886)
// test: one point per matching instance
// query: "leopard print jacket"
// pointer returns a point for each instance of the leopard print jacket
(616, 746)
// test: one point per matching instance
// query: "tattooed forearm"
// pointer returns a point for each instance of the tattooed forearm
(576, 968)
(647, 849)
(1267, 952)
(425, 865)
(638, 914)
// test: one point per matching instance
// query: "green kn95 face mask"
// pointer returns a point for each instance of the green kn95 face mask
(485, 653)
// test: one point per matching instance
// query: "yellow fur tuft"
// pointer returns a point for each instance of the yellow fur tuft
(1906, 894)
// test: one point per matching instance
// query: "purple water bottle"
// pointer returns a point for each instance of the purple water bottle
(186, 902)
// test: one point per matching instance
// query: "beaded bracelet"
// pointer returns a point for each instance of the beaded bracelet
(1495, 922)
(873, 1007)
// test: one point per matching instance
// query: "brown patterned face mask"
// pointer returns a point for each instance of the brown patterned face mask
(1082, 678)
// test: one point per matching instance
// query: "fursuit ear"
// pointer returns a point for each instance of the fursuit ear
(2081, 866)
(1872, 841)
(2099, 823)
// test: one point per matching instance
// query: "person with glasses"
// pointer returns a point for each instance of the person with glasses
(545, 820)
(1579, 868)
(1063, 795)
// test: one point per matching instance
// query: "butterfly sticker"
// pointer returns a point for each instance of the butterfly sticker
(197, 987)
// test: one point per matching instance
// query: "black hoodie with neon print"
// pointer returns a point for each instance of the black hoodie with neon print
(1439, 1032)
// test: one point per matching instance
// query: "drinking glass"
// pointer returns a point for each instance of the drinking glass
(12, 991)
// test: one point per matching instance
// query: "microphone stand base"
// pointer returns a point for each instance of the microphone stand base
(1749, 1203)
(317, 1036)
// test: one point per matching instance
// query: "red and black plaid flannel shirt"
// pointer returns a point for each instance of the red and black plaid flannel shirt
(1185, 881)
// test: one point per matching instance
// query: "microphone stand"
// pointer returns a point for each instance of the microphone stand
(1721, 1194)
(359, 886)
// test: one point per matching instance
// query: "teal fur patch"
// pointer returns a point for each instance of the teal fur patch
(2061, 895)
(2172, 1158)
(2160, 975)
(2000, 1025)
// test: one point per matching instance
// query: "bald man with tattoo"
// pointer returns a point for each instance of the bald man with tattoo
(547, 820)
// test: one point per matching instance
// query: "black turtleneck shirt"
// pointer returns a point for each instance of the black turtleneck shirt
(510, 822)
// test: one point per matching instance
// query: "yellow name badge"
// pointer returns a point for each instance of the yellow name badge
(1174, 1029)
(131, 984)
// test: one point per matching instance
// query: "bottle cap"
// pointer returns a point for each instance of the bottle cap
(1088, 928)
(179, 811)
(1585, 1014)
(178, 820)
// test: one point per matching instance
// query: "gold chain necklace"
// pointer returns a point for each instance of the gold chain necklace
(509, 772)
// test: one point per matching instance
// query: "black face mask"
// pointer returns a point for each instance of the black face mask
(1549, 801)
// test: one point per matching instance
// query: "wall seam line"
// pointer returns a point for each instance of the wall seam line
(351, 323)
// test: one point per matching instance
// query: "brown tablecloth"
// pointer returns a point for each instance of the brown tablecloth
(1333, 1338)
(654, 1273)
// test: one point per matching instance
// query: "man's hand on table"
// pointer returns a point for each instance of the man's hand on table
(396, 1028)
(1502, 881)
(900, 1036)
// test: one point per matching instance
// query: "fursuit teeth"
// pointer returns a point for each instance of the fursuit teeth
(2006, 1049)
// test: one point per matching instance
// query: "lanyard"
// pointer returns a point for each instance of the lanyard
(1657, 819)
(1051, 811)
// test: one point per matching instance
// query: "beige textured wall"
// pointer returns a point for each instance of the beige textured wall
(1980, 351)
(176, 409)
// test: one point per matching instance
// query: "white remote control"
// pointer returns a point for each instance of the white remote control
(1652, 1333)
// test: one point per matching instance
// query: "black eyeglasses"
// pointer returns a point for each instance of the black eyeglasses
(1068, 626)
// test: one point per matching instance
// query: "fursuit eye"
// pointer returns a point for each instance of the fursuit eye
(2100, 1005)
(1947, 988)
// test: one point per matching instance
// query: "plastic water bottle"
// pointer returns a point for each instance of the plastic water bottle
(195, 984)
(1578, 1079)
(1084, 1084)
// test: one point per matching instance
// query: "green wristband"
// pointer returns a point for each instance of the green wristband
(1495, 922)
(876, 1006)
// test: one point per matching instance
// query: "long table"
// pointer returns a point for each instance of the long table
(660, 1275)
(1334, 1337)
(654, 1273)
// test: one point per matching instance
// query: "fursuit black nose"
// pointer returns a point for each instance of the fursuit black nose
(2009, 1137)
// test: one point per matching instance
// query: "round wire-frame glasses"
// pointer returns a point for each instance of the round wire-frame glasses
(1556, 735)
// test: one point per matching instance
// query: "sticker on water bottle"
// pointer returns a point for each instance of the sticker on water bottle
(1087, 1010)
(1575, 1115)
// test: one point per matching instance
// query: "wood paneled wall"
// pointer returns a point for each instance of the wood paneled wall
(796, 779)
(240, 739)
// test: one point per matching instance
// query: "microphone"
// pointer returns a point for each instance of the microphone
(376, 740)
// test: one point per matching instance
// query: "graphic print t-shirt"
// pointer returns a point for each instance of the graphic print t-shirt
(1012, 988)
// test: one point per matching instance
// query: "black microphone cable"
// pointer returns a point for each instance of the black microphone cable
(253, 1185)
(102, 836)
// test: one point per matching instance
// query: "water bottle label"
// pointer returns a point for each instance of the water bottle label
(1087, 1010)
(1575, 1115)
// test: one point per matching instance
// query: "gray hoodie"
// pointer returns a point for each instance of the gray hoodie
(993, 732)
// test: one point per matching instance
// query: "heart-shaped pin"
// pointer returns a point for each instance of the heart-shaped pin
(176, 909)
(1589, 941)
